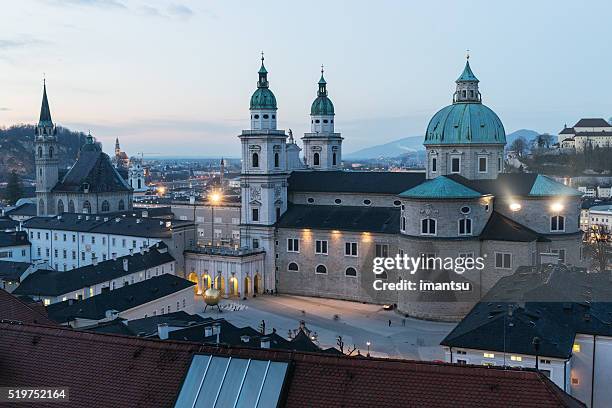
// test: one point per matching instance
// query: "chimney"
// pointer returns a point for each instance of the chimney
(145, 214)
(208, 331)
(79, 217)
(217, 330)
(117, 219)
(161, 223)
(59, 217)
(125, 265)
(94, 261)
(111, 314)
(138, 220)
(131, 251)
(265, 342)
(87, 218)
(162, 331)
(114, 255)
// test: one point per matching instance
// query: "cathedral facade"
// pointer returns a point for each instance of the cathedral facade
(92, 185)
(317, 228)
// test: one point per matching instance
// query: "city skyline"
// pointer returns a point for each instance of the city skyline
(180, 80)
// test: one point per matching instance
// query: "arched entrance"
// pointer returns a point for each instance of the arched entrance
(247, 286)
(258, 284)
(206, 282)
(193, 277)
(233, 286)
(220, 284)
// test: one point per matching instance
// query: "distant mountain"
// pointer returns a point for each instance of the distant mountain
(392, 149)
(415, 143)
(528, 135)
(17, 149)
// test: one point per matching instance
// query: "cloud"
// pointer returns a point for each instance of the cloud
(90, 3)
(23, 42)
(180, 11)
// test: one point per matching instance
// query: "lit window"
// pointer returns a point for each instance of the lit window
(576, 348)
(488, 355)
(516, 358)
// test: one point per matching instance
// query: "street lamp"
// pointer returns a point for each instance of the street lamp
(368, 344)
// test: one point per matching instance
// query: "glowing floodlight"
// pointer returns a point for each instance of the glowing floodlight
(515, 207)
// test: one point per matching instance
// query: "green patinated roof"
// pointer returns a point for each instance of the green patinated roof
(440, 188)
(263, 98)
(322, 105)
(465, 123)
(467, 75)
(545, 186)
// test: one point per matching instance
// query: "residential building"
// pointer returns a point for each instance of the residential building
(14, 246)
(586, 133)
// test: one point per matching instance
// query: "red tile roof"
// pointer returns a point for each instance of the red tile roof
(104, 370)
(14, 309)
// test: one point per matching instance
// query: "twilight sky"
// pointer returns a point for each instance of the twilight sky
(175, 77)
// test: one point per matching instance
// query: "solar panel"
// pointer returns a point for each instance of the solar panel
(229, 382)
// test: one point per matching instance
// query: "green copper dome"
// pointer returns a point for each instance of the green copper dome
(263, 98)
(462, 123)
(322, 105)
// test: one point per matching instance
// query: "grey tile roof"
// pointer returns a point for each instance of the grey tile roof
(55, 283)
(148, 326)
(353, 181)
(27, 209)
(545, 303)
(121, 299)
(13, 238)
(345, 218)
(93, 169)
(12, 270)
(567, 131)
(502, 228)
(592, 122)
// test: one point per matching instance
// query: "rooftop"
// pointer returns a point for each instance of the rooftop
(133, 372)
(382, 182)
(545, 303)
(383, 220)
(592, 122)
(54, 283)
(12, 270)
(16, 310)
(13, 238)
(121, 299)
(441, 188)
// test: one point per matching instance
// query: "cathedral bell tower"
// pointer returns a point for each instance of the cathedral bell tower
(46, 158)
(263, 178)
(322, 146)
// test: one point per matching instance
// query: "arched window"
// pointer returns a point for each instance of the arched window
(350, 271)
(255, 160)
(276, 160)
(121, 206)
(403, 223)
(51, 152)
(557, 223)
(334, 159)
(60, 206)
(41, 207)
(70, 206)
(321, 269)
(105, 206)
(139, 184)
(315, 159)
(428, 226)
(39, 152)
(465, 226)
(87, 207)
(293, 267)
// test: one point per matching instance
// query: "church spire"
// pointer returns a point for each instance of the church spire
(263, 74)
(322, 84)
(467, 85)
(45, 112)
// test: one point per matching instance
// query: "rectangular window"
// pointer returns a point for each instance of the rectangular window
(455, 165)
(73, 237)
(123, 243)
(64, 237)
(428, 226)
(255, 214)
(561, 253)
(434, 165)
(482, 164)
(255, 243)
(350, 249)
(82, 256)
(557, 223)
(55, 252)
(293, 245)
(134, 243)
(465, 226)
(278, 213)
(382, 250)
(93, 239)
(74, 255)
(321, 247)
(499, 164)
(503, 260)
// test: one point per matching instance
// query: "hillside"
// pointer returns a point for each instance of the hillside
(17, 149)
(415, 143)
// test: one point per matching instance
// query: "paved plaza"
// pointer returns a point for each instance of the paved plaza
(357, 323)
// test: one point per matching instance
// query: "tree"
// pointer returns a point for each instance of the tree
(519, 146)
(544, 140)
(598, 247)
(340, 343)
(13, 189)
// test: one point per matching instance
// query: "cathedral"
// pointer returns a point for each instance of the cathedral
(92, 185)
(310, 228)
